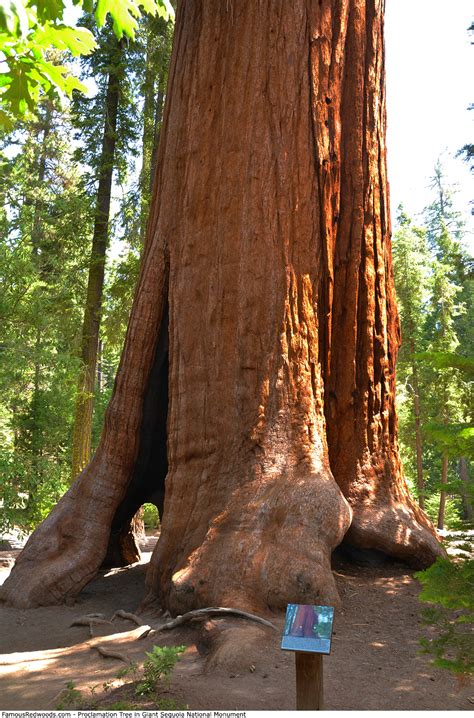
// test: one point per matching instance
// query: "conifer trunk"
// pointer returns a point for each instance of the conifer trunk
(442, 495)
(155, 72)
(257, 383)
(82, 432)
(148, 132)
(420, 482)
(468, 513)
(39, 258)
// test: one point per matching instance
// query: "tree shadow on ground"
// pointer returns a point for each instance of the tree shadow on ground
(374, 663)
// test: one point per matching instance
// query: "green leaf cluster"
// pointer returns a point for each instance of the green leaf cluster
(33, 32)
(158, 667)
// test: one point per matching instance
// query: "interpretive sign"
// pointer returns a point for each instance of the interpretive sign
(308, 628)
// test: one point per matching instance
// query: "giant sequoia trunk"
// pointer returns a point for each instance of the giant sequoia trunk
(258, 370)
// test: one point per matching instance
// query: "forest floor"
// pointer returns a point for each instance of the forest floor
(228, 663)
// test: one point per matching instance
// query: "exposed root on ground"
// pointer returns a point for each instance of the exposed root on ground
(128, 617)
(201, 614)
(89, 620)
(107, 653)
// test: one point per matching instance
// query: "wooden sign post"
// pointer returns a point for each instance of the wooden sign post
(308, 631)
(309, 681)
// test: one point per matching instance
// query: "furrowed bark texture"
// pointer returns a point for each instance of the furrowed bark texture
(361, 335)
(266, 309)
(252, 511)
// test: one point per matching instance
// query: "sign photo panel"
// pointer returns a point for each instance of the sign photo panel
(308, 628)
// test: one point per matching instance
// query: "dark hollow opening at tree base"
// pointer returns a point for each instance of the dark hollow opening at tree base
(147, 483)
(369, 557)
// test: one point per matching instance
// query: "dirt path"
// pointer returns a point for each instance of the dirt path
(231, 664)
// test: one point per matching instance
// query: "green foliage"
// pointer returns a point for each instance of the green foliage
(124, 13)
(157, 668)
(151, 518)
(28, 33)
(71, 698)
(30, 30)
(454, 439)
(117, 63)
(156, 676)
(433, 276)
(449, 589)
(30, 487)
(452, 520)
(49, 172)
(131, 669)
(42, 287)
(446, 360)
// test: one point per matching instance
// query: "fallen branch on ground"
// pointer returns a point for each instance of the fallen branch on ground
(128, 616)
(202, 613)
(107, 653)
(88, 621)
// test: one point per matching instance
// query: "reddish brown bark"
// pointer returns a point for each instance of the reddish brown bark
(357, 307)
(269, 238)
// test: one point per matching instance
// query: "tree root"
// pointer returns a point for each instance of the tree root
(202, 613)
(128, 616)
(88, 620)
(107, 653)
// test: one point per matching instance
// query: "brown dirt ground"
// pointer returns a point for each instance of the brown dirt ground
(229, 663)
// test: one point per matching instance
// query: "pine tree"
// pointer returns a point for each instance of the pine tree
(411, 268)
(444, 233)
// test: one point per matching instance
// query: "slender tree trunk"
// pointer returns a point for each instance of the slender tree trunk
(148, 132)
(35, 407)
(418, 435)
(82, 432)
(259, 360)
(37, 229)
(36, 442)
(160, 97)
(39, 258)
(155, 72)
(100, 349)
(442, 495)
